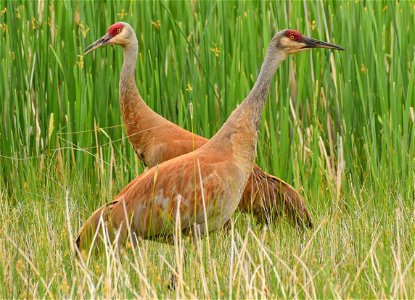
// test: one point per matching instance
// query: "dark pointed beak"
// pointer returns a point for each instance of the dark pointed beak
(98, 43)
(312, 43)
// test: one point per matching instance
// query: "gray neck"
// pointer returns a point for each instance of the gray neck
(130, 60)
(240, 131)
(130, 99)
(256, 98)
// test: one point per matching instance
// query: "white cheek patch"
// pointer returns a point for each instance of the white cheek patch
(291, 45)
(285, 42)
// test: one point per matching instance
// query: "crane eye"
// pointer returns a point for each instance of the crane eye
(118, 30)
(292, 37)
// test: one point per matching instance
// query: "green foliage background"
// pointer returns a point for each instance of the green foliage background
(338, 126)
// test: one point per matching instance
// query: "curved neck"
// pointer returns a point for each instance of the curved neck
(137, 116)
(130, 99)
(257, 96)
(127, 79)
(240, 131)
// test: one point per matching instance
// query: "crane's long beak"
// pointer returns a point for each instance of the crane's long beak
(98, 43)
(312, 43)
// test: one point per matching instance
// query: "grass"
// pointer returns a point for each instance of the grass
(338, 126)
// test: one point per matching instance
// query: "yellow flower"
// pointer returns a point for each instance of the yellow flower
(189, 87)
(34, 23)
(83, 29)
(313, 25)
(122, 14)
(215, 50)
(156, 24)
(80, 61)
(4, 27)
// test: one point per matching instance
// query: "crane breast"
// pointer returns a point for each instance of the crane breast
(174, 193)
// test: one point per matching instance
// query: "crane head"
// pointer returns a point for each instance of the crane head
(291, 41)
(117, 34)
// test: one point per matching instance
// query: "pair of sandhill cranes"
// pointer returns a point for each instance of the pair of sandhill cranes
(194, 180)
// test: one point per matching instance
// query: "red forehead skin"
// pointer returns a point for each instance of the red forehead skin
(112, 31)
(297, 35)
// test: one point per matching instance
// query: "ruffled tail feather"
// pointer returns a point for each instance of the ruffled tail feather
(267, 196)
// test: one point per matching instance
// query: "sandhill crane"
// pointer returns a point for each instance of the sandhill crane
(203, 187)
(156, 140)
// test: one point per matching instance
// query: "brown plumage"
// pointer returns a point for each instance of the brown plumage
(203, 186)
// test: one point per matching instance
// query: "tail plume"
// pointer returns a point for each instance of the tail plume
(267, 196)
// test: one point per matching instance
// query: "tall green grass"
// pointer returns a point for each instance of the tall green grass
(338, 126)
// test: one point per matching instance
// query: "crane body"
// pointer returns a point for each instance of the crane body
(203, 187)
